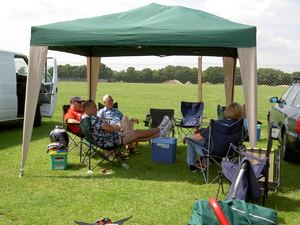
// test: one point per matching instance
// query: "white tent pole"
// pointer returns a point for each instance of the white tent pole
(248, 63)
(229, 65)
(199, 78)
(93, 67)
(37, 59)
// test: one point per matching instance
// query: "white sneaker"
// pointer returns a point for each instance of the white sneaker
(167, 129)
(164, 122)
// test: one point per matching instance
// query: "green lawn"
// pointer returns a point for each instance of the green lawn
(154, 193)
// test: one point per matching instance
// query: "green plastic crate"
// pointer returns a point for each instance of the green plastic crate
(58, 161)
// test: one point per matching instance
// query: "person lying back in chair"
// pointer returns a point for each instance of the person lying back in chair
(117, 119)
(74, 114)
(232, 113)
(105, 133)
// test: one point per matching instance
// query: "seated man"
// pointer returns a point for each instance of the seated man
(98, 126)
(232, 113)
(74, 114)
(116, 118)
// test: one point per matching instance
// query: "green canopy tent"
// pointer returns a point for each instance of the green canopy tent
(155, 30)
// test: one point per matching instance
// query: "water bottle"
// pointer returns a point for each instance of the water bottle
(125, 166)
(147, 121)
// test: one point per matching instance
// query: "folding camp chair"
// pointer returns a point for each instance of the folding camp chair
(92, 149)
(221, 116)
(220, 112)
(263, 162)
(74, 138)
(218, 146)
(191, 118)
(155, 117)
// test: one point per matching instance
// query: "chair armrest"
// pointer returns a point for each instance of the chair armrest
(177, 120)
(146, 123)
(73, 124)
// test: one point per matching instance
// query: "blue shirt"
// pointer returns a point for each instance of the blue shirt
(114, 115)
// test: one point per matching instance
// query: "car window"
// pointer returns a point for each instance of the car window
(21, 66)
(289, 96)
(284, 96)
(296, 103)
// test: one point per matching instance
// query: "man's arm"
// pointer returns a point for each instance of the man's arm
(72, 121)
(108, 128)
(70, 118)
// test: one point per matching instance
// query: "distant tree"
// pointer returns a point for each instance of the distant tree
(145, 76)
(295, 74)
(238, 77)
(105, 72)
(269, 76)
(131, 75)
(214, 75)
(120, 75)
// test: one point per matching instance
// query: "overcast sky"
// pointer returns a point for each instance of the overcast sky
(277, 22)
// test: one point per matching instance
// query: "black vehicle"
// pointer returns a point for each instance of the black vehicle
(286, 116)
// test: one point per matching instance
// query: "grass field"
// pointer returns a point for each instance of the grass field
(154, 193)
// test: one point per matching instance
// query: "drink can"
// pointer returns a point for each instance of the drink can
(125, 166)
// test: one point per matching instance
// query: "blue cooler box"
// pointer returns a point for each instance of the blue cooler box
(164, 150)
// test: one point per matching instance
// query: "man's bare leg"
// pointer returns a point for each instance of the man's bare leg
(140, 135)
(127, 125)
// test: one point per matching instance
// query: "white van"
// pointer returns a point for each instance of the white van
(13, 77)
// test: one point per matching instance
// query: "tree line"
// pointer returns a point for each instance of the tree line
(184, 74)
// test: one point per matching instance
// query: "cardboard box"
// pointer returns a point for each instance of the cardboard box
(261, 153)
(164, 150)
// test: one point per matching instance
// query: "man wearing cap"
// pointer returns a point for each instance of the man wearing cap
(74, 114)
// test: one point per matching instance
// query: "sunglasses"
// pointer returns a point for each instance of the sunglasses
(110, 100)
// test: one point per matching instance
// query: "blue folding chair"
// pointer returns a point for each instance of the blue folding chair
(218, 146)
(251, 174)
(191, 118)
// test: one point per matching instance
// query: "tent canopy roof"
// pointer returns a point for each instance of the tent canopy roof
(150, 30)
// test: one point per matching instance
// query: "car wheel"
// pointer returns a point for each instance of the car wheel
(286, 155)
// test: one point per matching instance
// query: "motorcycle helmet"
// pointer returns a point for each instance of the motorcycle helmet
(59, 135)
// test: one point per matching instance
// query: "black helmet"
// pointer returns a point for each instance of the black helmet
(59, 135)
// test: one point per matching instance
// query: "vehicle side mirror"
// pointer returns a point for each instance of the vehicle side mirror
(274, 100)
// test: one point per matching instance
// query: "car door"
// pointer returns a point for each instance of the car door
(49, 88)
(286, 109)
(293, 112)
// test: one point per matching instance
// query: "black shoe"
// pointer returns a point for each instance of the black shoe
(193, 168)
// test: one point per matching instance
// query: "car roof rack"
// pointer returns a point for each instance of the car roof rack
(296, 79)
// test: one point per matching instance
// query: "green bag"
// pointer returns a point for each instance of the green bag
(236, 211)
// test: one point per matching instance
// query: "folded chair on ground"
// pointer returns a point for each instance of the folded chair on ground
(218, 146)
(155, 117)
(74, 138)
(96, 152)
(191, 118)
(253, 176)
